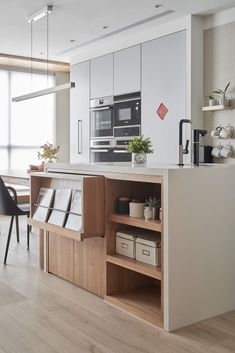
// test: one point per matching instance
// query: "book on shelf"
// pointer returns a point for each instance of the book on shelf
(74, 220)
(60, 207)
(43, 204)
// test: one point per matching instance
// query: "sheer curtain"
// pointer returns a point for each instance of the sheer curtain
(24, 125)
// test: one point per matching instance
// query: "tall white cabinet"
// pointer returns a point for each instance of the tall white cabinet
(79, 113)
(127, 70)
(164, 81)
(102, 76)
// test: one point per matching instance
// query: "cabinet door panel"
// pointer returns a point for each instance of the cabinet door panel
(127, 70)
(89, 265)
(102, 76)
(164, 81)
(79, 114)
(60, 256)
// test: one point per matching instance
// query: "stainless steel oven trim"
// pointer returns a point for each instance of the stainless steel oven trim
(126, 100)
(101, 108)
(110, 143)
(96, 150)
(126, 127)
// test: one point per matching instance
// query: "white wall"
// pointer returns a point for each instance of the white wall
(62, 118)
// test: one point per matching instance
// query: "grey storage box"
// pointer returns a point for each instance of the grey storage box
(125, 244)
(148, 249)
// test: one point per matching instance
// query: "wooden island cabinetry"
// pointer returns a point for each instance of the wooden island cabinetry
(193, 239)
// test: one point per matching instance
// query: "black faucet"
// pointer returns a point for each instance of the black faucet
(182, 150)
(196, 138)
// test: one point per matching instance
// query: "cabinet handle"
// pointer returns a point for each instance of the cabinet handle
(146, 252)
(124, 246)
(79, 136)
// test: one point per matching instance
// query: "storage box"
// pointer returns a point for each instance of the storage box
(125, 244)
(148, 249)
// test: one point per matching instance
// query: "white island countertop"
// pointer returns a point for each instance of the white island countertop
(125, 167)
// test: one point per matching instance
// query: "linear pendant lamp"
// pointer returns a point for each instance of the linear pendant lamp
(66, 86)
(43, 92)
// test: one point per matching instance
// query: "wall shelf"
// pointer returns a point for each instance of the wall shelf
(216, 108)
(144, 303)
(154, 225)
(137, 266)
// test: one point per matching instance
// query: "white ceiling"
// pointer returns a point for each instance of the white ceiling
(82, 20)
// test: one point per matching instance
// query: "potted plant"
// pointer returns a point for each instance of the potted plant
(222, 94)
(140, 147)
(153, 205)
(48, 153)
(212, 100)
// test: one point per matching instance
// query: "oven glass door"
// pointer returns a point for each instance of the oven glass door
(127, 113)
(102, 122)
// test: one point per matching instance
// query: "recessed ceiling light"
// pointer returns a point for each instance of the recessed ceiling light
(158, 6)
(105, 27)
(72, 40)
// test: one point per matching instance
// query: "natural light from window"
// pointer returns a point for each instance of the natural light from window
(24, 125)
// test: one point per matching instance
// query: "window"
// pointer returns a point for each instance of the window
(24, 125)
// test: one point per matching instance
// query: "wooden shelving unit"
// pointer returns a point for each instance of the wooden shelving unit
(131, 285)
(137, 222)
(212, 108)
(144, 303)
(137, 266)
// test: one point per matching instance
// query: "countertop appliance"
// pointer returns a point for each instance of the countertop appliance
(101, 117)
(196, 137)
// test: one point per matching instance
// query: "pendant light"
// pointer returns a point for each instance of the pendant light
(33, 18)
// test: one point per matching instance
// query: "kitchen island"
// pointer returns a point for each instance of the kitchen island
(196, 277)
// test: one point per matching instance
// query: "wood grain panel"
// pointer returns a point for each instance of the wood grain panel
(61, 259)
(89, 265)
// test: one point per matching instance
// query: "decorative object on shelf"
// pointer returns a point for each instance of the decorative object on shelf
(48, 153)
(148, 213)
(136, 208)
(140, 147)
(154, 204)
(123, 205)
(222, 95)
(125, 243)
(212, 101)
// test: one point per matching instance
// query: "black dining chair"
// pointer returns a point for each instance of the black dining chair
(8, 207)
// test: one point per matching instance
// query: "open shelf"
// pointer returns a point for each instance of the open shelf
(137, 222)
(211, 108)
(144, 303)
(56, 229)
(134, 265)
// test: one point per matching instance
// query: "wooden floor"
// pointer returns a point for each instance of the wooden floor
(40, 313)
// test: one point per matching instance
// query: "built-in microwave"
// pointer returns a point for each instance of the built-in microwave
(127, 109)
(101, 117)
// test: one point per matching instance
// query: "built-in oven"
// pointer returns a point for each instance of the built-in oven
(101, 117)
(127, 109)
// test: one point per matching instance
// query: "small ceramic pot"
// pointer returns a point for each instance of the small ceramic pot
(139, 158)
(212, 102)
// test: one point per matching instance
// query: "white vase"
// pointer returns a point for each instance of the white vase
(148, 213)
(139, 158)
(212, 102)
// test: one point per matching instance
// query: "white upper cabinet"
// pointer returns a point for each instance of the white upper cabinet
(127, 70)
(164, 81)
(102, 76)
(79, 113)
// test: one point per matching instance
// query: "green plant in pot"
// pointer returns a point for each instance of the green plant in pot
(153, 205)
(140, 147)
(212, 100)
(222, 94)
(48, 153)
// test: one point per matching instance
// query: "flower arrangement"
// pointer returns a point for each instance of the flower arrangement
(48, 153)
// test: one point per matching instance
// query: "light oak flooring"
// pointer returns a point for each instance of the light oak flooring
(40, 313)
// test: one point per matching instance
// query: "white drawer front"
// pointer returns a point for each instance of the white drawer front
(125, 247)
